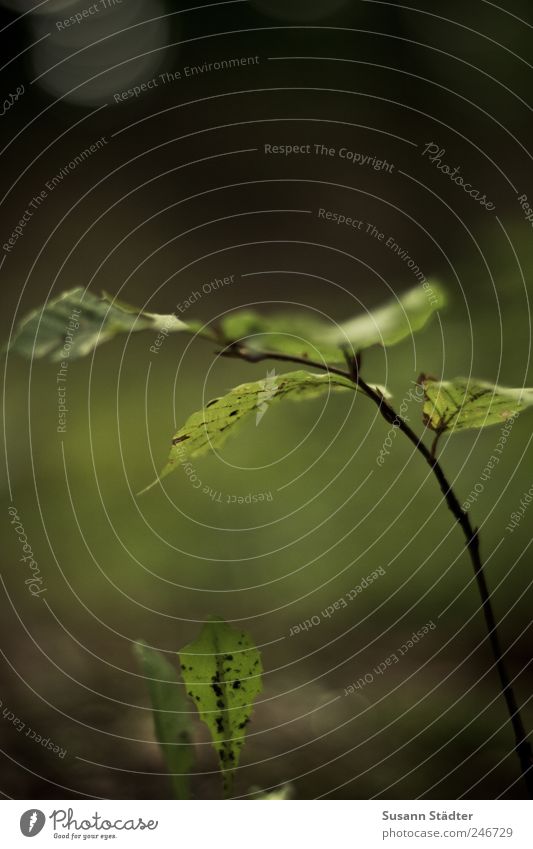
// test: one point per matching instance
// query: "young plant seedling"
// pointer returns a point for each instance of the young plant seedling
(450, 406)
(222, 674)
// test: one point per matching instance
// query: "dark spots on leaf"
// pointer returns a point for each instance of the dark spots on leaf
(217, 689)
(228, 657)
(220, 704)
(244, 723)
(236, 685)
(223, 428)
(220, 724)
(231, 756)
(234, 412)
(180, 439)
(214, 401)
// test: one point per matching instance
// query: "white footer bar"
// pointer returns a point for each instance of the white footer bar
(266, 824)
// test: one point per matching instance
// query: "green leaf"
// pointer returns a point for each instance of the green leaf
(171, 714)
(223, 673)
(75, 323)
(467, 403)
(313, 338)
(209, 428)
(287, 333)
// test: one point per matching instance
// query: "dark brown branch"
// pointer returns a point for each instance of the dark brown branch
(241, 353)
(435, 443)
(522, 745)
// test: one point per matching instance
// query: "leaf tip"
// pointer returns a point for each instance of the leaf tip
(147, 488)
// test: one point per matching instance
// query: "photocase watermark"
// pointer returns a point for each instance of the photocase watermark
(70, 826)
(61, 377)
(219, 496)
(392, 245)
(491, 464)
(18, 231)
(10, 717)
(368, 228)
(435, 154)
(526, 208)
(78, 160)
(188, 71)
(520, 512)
(64, 820)
(40, 197)
(416, 394)
(339, 604)
(32, 822)
(208, 288)
(340, 219)
(391, 660)
(34, 579)
(11, 99)
(89, 12)
(366, 160)
(265, 395)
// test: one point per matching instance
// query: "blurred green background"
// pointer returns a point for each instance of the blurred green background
(118, 567)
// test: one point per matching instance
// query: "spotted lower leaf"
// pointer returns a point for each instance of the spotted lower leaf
(222, 671)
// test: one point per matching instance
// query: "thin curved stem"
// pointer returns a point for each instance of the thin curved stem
(522, 745)
(241, 353)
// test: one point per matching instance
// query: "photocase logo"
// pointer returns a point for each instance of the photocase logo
(270, 387)
(32, 822)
